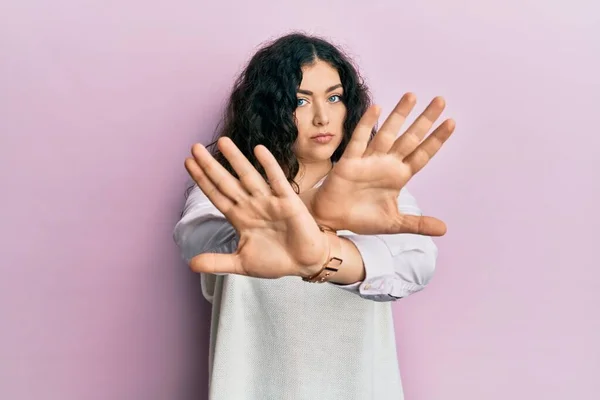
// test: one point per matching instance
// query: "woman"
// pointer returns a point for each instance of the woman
(300, 189)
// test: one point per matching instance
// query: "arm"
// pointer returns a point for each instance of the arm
(363, 198)
(203, 228)
(388, 267)
(376, 267)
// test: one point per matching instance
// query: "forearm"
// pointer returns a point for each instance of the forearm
(352, 269)
(391, 266)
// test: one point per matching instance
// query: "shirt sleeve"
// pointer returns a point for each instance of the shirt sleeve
(203, 229)
(395, 265)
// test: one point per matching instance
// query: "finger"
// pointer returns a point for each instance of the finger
(427, 149)
(216, 263)
(362, 133)
(222, 202)
(277, 179)
(247, 174)
(384, 139)
(420, 225)
(410, 139)
(218, 175)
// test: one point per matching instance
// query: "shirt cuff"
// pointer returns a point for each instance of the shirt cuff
(381, 280)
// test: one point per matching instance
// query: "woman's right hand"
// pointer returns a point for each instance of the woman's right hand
(278, 235)
(361, 192)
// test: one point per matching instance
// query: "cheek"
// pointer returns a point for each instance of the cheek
(303, 124)
(342, 113)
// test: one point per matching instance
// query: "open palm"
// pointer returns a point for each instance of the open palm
(278, 235)
(360, 193)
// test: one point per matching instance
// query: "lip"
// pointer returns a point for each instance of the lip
(320, 135)
(323, 137)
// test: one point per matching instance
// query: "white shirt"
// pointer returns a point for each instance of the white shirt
(288, 339)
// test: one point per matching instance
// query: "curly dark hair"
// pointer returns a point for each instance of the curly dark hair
(264, 97)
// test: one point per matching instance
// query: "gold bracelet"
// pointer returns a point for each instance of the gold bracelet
(334, 260)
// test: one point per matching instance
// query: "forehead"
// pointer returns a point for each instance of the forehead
(319, 76)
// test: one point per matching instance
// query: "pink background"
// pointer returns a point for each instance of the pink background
(100, 102)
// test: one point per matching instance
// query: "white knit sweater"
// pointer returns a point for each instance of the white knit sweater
(286, 339)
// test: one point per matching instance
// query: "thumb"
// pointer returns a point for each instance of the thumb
(216, 263)
(420, 225)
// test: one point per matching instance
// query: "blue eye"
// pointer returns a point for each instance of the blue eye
(335, 96)
(299, 102)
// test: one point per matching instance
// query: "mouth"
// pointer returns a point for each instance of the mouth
(323, 137)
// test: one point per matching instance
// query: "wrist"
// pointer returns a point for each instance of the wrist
(306, 272)
(353, 268)
(332, 260)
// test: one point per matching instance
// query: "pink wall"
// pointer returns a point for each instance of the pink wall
(100, 102)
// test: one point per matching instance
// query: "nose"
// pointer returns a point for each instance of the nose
(320, 118)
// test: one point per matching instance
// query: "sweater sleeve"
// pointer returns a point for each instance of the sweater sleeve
(395, 265)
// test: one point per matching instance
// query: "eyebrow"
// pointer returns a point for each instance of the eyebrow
(308, 92)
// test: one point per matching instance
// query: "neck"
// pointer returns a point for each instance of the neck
(311, 172)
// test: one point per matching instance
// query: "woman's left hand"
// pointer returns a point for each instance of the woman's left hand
(360, 193)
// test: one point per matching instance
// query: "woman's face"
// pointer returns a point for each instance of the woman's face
(320, 114)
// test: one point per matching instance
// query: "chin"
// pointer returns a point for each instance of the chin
(323, 154)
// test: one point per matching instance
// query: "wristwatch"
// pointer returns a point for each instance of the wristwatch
(334, 259)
